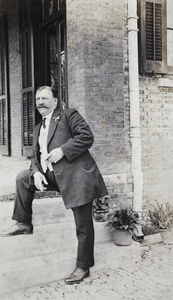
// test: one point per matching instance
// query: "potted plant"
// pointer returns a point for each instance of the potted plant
(100, 209)
(124, 224)
(161, 216)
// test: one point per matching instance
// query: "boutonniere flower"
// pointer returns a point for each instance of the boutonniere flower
(57, 118)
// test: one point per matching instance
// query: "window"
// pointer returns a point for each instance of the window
(51, 7)
(28, 25)
(152, 36)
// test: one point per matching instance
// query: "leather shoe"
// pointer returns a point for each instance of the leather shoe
(77, 276)
(18, 228)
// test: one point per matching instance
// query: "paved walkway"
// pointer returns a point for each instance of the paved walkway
(149, 279)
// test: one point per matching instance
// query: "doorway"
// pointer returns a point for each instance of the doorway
(53, 68)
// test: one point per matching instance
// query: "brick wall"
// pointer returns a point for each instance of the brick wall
(157, 139)
(15, 81)
(95, 49)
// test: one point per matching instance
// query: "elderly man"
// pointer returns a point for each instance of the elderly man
(61, 161)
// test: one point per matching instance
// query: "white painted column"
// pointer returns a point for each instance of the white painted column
(135, 136)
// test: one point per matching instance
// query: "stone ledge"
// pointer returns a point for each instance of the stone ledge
(165, 82)
(42, 269)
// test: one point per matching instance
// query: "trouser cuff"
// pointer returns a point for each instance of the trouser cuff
(21, 220)
(84, 265)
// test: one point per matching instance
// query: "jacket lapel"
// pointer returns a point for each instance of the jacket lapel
(36, 135)
(53, 124)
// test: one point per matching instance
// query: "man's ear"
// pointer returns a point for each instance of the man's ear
(56, 101)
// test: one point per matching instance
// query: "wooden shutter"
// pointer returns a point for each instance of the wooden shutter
(152, 36)
(28, 21)
(4, 90)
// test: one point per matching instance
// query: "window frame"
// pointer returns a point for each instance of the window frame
(169, 28)
(62, 87)
(5, 147)
(147, 66)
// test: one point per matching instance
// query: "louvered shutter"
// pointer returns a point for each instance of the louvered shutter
(4, 95)
(27, 82)
(3, 123)
(152, 36)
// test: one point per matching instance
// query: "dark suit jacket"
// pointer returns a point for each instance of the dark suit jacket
(77, 174)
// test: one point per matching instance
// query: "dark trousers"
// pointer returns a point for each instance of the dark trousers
(82, 215)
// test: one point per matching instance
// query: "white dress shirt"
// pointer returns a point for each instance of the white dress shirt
(43, 144)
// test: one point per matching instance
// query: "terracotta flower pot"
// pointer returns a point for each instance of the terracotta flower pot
(122, 237)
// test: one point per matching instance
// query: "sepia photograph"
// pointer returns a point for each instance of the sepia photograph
(86, 149)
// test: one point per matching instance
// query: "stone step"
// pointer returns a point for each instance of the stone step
(50, 211)
(45, 256)
(9, 168)
(45, 211)
(50, 253)
(47, 239)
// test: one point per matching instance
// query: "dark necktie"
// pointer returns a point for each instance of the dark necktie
(44, 122)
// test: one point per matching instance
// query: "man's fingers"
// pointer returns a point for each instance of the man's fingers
(48, 156)
(40, 180)
(55, 155)
(45, 181)
(51, 158)
(43, 188)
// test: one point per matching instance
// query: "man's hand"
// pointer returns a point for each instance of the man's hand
(39, 181)
(55, 155)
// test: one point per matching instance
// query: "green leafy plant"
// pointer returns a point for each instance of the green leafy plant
(161, 215)
(123, 219)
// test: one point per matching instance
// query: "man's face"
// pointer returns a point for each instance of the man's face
(45, 102)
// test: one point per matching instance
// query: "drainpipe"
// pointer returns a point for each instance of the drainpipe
(135, 137)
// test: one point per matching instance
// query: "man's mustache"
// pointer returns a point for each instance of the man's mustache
(41, 106)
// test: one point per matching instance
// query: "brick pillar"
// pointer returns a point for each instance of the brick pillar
(95, 37)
